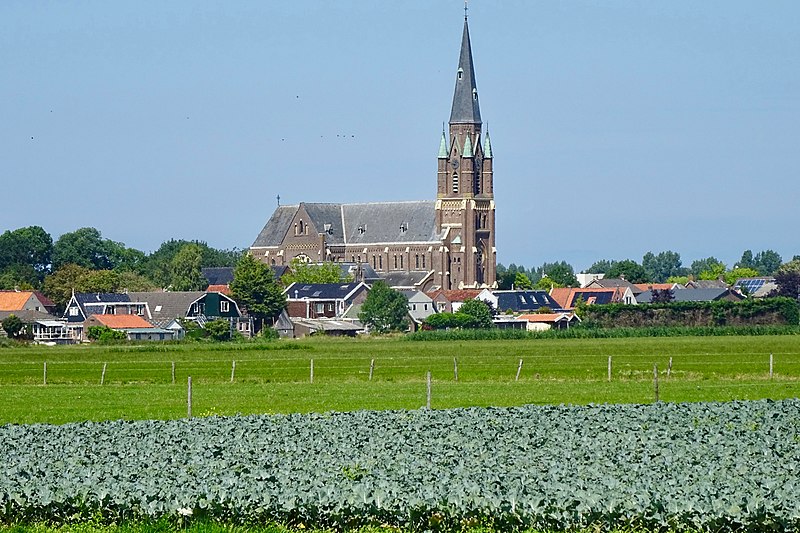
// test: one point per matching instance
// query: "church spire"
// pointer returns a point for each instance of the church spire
(465, 99)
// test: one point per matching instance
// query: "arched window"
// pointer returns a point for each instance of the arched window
(455, 183)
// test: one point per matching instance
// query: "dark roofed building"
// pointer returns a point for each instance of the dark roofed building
(323, 300)
(451, 238)
(695, 295)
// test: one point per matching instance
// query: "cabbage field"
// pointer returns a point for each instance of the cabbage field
(708, 466)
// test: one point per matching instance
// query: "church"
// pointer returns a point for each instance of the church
(447, 244)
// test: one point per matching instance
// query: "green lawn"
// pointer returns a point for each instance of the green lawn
(275, 378)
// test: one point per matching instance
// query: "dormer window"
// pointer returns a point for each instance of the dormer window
(404, 227)
(460, 73)
(474, 94)
(329, 229)
(362, 228)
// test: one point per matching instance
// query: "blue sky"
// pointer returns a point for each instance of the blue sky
(618, 127)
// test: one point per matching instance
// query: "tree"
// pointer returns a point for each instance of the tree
(303, 272)
(561, 273)
(254, 287)
(31, 246)
(384, 310)
(767, 262)
(659, 267)
(600, 267)
(157, 264)
(662, 296)
(628, 269)
(709, 264)
(105, 334)
(185, 269)
(717, 271)
(83, 247)
(787, 278)
(731, 276)
(547, 283)
(479, 313)
(13, 326)
(219, 330)
(522, 282)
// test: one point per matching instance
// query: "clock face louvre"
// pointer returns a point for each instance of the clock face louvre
(454, 163)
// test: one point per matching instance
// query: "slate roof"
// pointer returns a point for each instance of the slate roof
(706, 284)
(406, 279)
(320, 291)
(166, 306)
(84, 298)
(465, 98)
(218, 275)
(689, 295)
(377, 222)
(524, 300)
(612, 283)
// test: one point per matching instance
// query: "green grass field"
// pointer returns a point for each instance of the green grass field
(275, 377)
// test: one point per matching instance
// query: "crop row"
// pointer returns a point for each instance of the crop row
(709, 466)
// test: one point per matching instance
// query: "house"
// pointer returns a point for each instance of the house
(326, 326)
(43, 327)
(135, 327)
(706, 284)
(328, 300)
(519, 301)
(448, 301)
(416, 280)
(420, 306)
(614, 283)
(219, 279)
(164, 307)
(82, 305)
(25, 301)
(545, 321)
(585, 278)
(658, 286)
(696, 295)
(568, 297)
(759, 287)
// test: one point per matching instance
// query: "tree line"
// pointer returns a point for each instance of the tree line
(86, 261)
(663, 267)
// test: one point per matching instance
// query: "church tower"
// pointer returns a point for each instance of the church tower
(465, 193)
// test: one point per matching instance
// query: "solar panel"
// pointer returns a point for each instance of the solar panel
(749, 285)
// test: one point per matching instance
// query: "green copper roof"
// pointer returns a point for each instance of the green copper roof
(467, 147)
(487, 147)
(443, 147)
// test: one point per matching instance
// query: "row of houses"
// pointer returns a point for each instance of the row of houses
(333, 308)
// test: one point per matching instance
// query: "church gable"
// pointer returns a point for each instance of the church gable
(276, 228)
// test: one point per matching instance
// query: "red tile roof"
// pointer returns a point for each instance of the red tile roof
(123, 321)
(459, 295)
(224, 289)
(14, 300)
(544, 317)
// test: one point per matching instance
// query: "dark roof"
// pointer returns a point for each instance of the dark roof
(406, 279)
(378, 222)
(218, 275)
(524, 300)
(706, 284)
(359, 271)
(166, 306)
(613, 283)
(276, 227)
(465, 98)
(689, 295)
(84, 298)
(279, 270)
(320, 291)
(595, 297)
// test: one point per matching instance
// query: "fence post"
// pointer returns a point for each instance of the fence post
(189, 399)
(44, 376)
(669, 368)
(371, 368)
(770, 366)
(609, 369)
(455, 369)
(103, 375)
(233, 370)
(312, 371)
(173, 372)
(428, 403)
(655, 380)
(519, 369)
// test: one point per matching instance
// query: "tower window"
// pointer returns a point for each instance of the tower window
(455, 183)
(302, 228)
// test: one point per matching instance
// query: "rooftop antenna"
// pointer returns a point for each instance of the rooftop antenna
(279, 200)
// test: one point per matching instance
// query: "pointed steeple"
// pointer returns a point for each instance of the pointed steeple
(465, 99)
(487, 146)
(443, 147)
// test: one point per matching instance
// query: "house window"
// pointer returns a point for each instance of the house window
(374, 262)
(224, 306)
(330, 307)
(320, 308)
(380, 262)
(73, 311)
(401, 261)
(416, 260)
(423, 261)
(395, 260)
